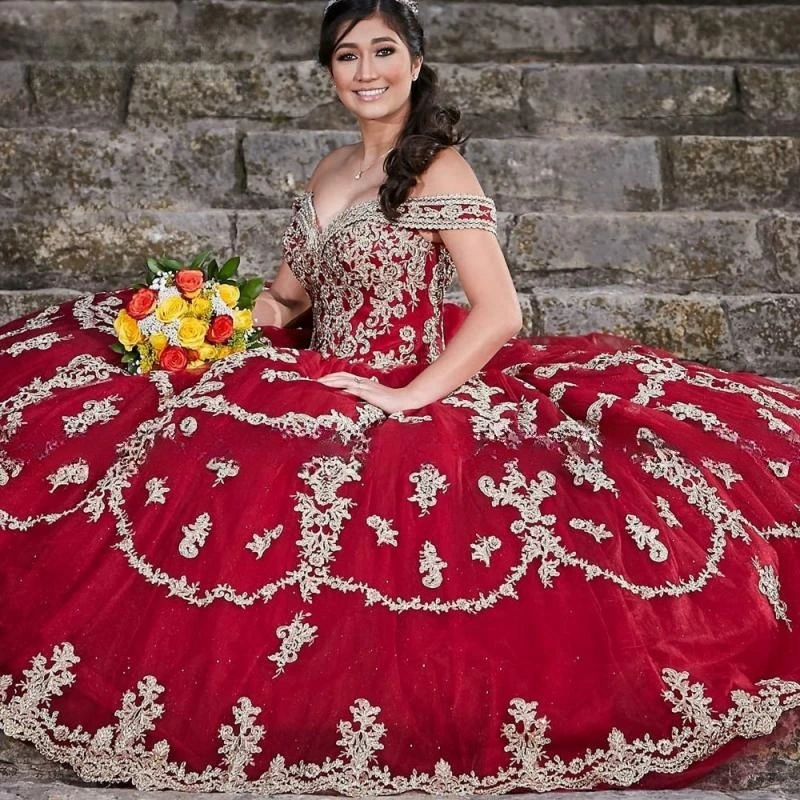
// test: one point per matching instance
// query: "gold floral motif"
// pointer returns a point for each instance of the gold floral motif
(43, 341)
(76, 472)
(119, 753)
(770, 586)
(194, 536)
(293, 638)
(95, 412)
(156, 491)
(383, 528)
(431, 566)
(483, 547)
(260, 543)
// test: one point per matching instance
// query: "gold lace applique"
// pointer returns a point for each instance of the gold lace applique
(597, 531)
(223, 469)
(156, 491)
(95, 412)
(483, 548)
(261, 542)
(118, 753)
(429, 482)
(770, 586)
(43, 341)
(75, 473)
(431, 566)
(194, 536)
(646, 537)
(294, 637)
(383, 529)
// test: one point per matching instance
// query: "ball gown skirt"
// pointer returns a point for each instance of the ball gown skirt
(578, 570)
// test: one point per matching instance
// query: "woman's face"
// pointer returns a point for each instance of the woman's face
(372, 70)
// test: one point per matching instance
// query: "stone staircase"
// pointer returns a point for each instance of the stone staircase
(645, 158)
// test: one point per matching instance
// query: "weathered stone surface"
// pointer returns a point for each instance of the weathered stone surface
(781, 232)
(764, 32)
(593, 172)
(732, 172)
(19, 304)
(259, 239)
(14, 100)
(78, 94)
(84, 250)
(592, 94)
(766, 330)
(691, 326)
(770, 92)
(247, 30)
(48, 168)
(677, 252)
(493, 31)
(87, 30)
(773, 760)
(481, 88)
(280, 164)
(276, 93)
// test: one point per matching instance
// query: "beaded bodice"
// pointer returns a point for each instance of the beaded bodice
(377, 286)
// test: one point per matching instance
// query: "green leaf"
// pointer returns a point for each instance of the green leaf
(118, 347)
(249, 290)
(170, 264)
(229, 268)
(213, 269)
(200, 259)
(153, 266)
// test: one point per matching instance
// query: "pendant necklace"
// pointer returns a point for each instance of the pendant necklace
(363, 170)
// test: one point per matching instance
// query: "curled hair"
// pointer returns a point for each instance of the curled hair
(430, 127)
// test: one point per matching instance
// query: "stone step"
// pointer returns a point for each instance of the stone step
(250, 30)
(755, 333)
(497, 100)
(200, 166)
(679, 252)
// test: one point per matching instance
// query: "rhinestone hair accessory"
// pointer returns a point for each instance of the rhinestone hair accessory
(408, 3)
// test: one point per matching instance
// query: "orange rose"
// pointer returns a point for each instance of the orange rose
(189, 281)
(221, 330)
(173, 359)
(142, 303)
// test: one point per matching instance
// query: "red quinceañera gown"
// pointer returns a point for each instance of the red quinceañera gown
(578, 570)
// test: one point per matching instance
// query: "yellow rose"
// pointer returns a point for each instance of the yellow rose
(158, 341)
(223, 351)
(195, 364)
(191, 332)
(206, 351)
(201, 307)
(127, 329)
(229, 294)
(171, 309)
(242, 319)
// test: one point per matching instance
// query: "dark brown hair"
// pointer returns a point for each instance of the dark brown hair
(431, 127)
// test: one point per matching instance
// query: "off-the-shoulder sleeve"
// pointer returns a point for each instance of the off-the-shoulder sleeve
(441, 212)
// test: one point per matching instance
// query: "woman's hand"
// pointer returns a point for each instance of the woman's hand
(386, 398)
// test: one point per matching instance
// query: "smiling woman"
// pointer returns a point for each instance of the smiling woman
(415, 553)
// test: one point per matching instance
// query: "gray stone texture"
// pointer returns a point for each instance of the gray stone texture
(735, 172)
(84, 30)
(689, 326)
(88, 251)
(280, 164)
(277, 93)
(14, 98)
(600, 172)
(679, 252)
(19, 304)
(594, 95)
(48, 168)
(83, 94)
(259, 239)
(488, 31)
(711, 33)
(770, 93)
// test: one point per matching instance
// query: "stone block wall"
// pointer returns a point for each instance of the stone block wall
(645, 157)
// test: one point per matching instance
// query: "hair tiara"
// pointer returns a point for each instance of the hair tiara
(408, 3)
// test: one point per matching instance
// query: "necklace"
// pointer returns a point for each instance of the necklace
(363, 169)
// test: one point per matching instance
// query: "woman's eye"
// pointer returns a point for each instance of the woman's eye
(388, 50)
(349, 56)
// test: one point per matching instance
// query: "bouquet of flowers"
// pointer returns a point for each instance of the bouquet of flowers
(186, 316)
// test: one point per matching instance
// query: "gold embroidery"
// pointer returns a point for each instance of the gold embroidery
(118, 753)
(429, 482)
(431, 566)
(75, 473)
(483, 547)
(260, 543)
(194, 536)
(95, 412)
(770, 586)
(293, 637)
(383, 528)
(42, 342)
(222, 469)
(156, 491)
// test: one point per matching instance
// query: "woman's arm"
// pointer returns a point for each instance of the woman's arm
(495, 315)
(283, 302)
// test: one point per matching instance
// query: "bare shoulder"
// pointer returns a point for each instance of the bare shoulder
(448, 173)
(329, 163)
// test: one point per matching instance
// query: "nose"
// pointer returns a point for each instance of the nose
(366, 69)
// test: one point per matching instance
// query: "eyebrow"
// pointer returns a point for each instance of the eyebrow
(374, 41)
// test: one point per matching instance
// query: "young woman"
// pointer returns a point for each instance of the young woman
(420, 553)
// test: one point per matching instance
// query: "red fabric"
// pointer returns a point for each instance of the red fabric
(586, 650)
